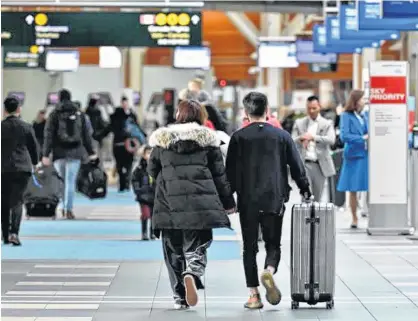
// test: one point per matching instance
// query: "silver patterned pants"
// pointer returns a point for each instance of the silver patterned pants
(185, 253)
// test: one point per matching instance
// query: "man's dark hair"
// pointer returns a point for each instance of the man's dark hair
(124, 98)
(64, 95)
(312, 98)
(255, 104)
(11, 104)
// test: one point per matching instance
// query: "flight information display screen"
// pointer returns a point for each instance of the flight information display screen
(277, 54)
(95, 29)
(305, 54)
(192, 58)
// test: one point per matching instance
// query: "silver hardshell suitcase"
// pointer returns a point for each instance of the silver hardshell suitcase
(313, 254)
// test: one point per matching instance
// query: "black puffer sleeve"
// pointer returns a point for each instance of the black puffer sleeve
(217, 168)
(154, 164)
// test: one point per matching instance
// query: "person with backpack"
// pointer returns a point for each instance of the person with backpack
(144, 187)
(67, 138)
(19, 155)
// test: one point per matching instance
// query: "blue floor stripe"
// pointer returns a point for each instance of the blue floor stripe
(105, 250)
(95, 228)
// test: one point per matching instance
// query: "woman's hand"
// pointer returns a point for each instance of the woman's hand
(366, 137)
(231, 211)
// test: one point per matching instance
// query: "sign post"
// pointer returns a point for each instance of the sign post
(388, 148)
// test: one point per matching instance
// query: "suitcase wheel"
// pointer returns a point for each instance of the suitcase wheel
(330, 304)
(295, 305)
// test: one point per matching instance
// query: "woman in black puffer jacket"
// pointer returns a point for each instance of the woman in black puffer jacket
(192, 197)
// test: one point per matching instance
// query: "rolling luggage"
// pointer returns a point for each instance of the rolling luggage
(43, 193)
(336, 197)
(92, 180)
(312, 262)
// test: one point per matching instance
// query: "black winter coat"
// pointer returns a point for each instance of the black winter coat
(257, 161)
(51, 143)
(118, 125)
(19, 149)
(97, 122)
(143, 185)
(192, 191)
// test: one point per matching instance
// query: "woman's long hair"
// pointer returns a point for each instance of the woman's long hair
(352, 102)
(191, 111)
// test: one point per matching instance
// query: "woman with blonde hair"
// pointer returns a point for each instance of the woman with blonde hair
(354, 134)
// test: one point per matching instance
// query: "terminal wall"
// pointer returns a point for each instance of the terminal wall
(157, 78)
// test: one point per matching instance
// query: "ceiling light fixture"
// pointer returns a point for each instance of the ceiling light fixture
(165, 3)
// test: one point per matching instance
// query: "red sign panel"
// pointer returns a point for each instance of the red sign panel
(411, 120)
(388, 90)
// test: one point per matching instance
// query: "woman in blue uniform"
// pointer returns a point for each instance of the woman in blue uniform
(354, 175)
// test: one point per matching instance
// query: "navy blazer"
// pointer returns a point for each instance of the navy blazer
(351, 134)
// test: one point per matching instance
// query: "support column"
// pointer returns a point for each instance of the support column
(135, 60)
(368, 55)
(271, 27)
(356, 71)
(413, 65)
(325, 89)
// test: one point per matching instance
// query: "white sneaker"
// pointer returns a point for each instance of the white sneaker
(178, 305)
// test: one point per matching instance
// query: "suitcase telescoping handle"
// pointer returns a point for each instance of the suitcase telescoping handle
(312, 287)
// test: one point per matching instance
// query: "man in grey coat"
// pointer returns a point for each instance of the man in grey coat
(314, 135)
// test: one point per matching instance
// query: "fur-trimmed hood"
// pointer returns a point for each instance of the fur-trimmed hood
(168, 137)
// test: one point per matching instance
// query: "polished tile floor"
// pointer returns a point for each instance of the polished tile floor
(97, 269)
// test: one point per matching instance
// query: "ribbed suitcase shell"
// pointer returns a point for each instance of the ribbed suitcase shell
(313, 237)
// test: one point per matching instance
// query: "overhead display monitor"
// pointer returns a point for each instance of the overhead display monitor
(192, 58)
(277, 53)
(305, 54)
(110, 57)
(348, 23)
(322, 67)
(52, 99)
(319, 37)
(370, 17)
(95, 29)
(19, 95)
(400, 9)
(62, 60)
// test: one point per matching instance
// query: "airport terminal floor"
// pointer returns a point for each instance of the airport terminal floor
(96, 268)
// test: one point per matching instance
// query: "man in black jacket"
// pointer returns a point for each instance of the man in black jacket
(39, 127)
(18, 156)
(67, 137)
(124, 154)
(256, 165)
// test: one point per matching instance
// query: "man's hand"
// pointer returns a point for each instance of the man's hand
(307, 196)
(46, 161)
(305, 144)
(308, 137)
(93, 157)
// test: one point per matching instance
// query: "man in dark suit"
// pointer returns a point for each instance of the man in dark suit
(256, 165)
(18, 156)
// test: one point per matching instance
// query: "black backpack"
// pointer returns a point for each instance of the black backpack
(70, 127)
